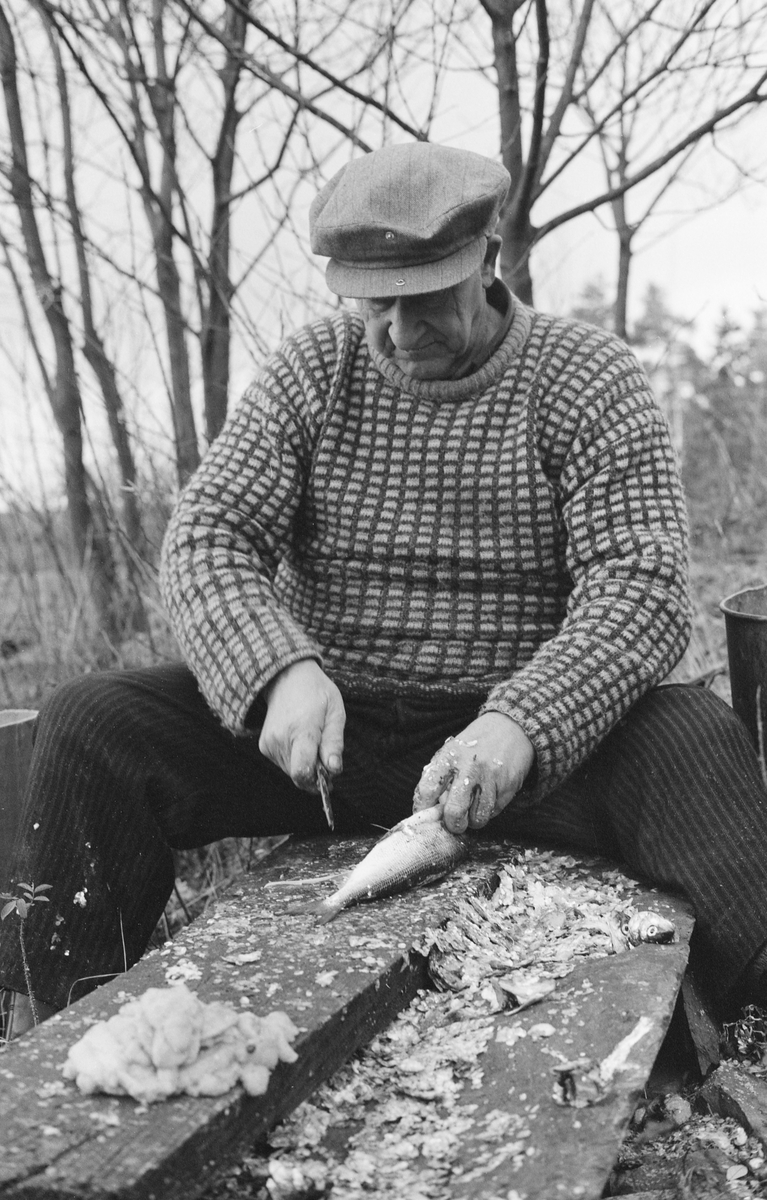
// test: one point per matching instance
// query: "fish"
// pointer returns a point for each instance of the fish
(416, 851)
(649, 926)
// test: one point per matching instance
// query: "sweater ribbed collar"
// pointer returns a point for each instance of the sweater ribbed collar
(471, 385)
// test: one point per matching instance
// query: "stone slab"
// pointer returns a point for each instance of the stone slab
(730, 1091)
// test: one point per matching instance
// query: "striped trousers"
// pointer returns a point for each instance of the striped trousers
(129, 764)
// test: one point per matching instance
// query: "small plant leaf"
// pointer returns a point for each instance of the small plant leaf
(43, 887)
(42, 900)
(7, 909)
(22, 908)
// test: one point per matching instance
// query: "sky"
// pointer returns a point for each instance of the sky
(706, 262)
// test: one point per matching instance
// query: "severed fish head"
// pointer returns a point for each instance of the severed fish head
(647, 926)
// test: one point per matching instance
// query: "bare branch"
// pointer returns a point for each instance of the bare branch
(524, 192)
(620, 105)
(566, 93)
(364, 98)
(753, 96)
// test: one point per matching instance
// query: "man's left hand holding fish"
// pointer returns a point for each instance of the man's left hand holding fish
(477, 772)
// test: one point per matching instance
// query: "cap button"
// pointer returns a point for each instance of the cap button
(389, 235)
(399, 282)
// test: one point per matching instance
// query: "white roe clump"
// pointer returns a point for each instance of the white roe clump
(167, 1041)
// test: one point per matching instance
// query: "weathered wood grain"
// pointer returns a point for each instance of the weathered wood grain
(570, 1151)
(545, 1150)
(59, 1143)
(342, 983)
(702, 1024)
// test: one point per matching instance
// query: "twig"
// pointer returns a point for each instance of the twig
(83, 978)
(706, 678)
(27, 975)
(22, 906)
(181, 901)
(105, 974)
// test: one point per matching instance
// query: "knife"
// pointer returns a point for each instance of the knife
(323, 784)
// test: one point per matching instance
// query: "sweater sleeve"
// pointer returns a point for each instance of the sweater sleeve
(235, 522)
(627, 620)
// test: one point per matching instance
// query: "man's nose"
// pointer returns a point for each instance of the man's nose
(405, 323)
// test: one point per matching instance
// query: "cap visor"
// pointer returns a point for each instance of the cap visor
(358, 281)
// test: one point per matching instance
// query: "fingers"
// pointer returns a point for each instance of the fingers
(331, 748)
(476, 774)
(435, 777)
(302, 762)
(483, 805)
(467, 791)
(304, 724)
(438, 775)
(456, 778)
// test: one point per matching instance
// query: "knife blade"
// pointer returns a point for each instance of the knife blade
(323, 783)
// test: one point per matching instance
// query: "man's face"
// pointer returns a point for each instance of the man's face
(434, 335)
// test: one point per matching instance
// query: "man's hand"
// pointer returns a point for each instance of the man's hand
(305, 720)
(476, 773)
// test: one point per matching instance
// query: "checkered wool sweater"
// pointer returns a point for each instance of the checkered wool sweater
(518, 535)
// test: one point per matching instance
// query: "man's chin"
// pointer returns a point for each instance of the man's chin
(438, 367)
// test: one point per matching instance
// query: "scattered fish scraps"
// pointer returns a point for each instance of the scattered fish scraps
(167, 1041)
(505, 951)
(397, 1119)
(403, 1100)
(418, 850)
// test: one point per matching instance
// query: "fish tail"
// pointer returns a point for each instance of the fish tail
(320, 908)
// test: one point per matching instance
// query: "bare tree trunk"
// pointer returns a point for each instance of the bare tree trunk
(64, 393)
(169, 285)
(163, 100)
(158, 207)
(93, 349)
(625, 256)
(625, 233)
(216, 334)
(515, 228)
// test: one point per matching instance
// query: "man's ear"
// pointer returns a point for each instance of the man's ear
(494, 243)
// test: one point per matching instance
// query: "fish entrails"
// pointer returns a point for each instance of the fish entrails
(416, 851)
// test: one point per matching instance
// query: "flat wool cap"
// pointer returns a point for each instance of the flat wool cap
(406, 219)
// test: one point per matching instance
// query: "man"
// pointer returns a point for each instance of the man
(439, 548)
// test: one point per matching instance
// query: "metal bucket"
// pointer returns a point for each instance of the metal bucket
(745, 618)
(16, 728)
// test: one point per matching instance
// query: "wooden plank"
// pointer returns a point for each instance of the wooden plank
(59, 1143)
(16, 726)
(505, 1135)
(571, 1151)
(701, 1023)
